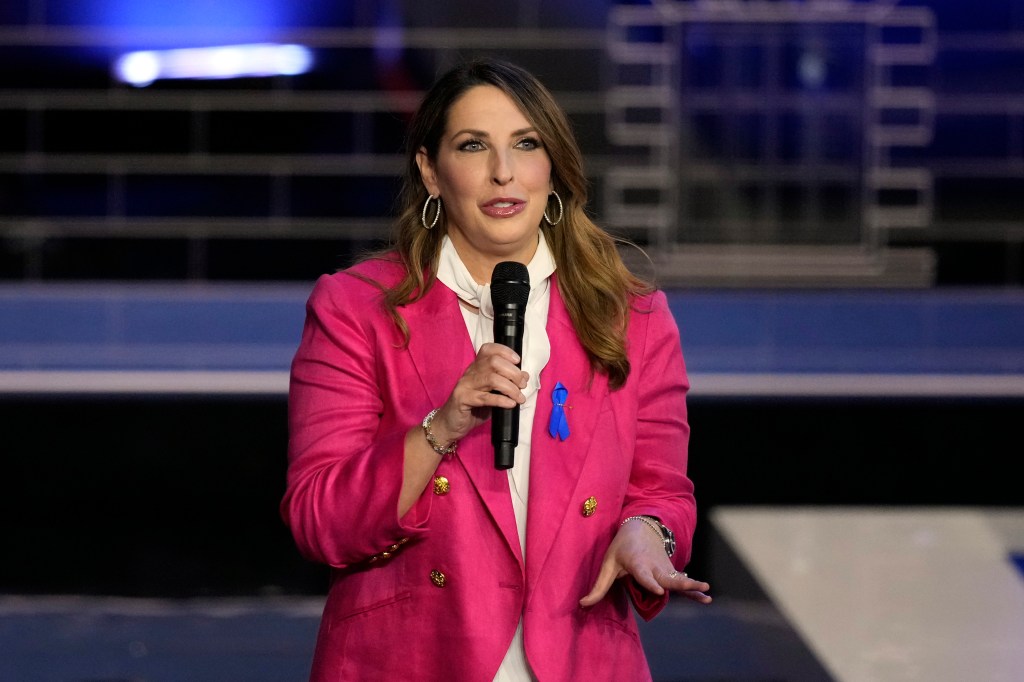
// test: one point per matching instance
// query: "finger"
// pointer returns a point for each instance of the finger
(499, 377)
(697, 596)
(499, 350)
(687, 584)
(604, 582)
(647, 580)
(504, 361)
(688, 587)
(506, 395)
(597, 593)
(488, 389)
(503, 394)
(501, 372)
(682, 582)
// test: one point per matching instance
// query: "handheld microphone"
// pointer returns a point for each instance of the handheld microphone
(510, 290)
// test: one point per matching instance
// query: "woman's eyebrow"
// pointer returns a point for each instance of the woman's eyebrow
(483, 133)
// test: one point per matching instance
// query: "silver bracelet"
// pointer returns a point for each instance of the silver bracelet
(432, 440)
(647, 520)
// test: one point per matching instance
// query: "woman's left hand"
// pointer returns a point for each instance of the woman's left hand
(638, 552)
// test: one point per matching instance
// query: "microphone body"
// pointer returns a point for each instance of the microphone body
(510, 290)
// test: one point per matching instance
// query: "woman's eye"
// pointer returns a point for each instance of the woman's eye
(471, 146)
(529, 143)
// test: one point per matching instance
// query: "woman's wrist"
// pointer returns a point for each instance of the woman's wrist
(667, 537)
(439, 445)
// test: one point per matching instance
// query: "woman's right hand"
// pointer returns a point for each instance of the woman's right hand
(469, 405)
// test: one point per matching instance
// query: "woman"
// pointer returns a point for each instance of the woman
(445, 567)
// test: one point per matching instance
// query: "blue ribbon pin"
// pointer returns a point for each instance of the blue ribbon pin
(558, 427)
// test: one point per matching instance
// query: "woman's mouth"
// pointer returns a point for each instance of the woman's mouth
(503, 208)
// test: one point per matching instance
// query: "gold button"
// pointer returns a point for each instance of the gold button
(438, 578)
(393, 547)
(590, 506)
(385, 555)
(441, 485)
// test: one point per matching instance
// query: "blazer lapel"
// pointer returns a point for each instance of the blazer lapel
(555, 465)
(439, 345)
(441, 349)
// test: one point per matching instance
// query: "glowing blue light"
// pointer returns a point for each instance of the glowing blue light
(293, 60)
(227, 61)
(138, 68)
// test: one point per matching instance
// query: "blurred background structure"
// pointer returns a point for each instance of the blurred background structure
(831, 192)
(749, 142)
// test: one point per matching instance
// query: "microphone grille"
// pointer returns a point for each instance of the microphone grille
(510, 284)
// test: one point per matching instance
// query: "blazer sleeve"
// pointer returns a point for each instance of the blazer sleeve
(345, 465)
(659, 485)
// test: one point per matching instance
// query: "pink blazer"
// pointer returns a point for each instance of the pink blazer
(437, 594)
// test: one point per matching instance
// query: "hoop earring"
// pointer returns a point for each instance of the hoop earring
(437, 215)
(561, 211)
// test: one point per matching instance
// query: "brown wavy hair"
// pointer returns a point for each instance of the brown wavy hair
(594, 283)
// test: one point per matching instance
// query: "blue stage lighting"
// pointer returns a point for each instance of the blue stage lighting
(226, 61)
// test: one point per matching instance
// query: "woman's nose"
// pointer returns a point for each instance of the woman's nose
(502, 171)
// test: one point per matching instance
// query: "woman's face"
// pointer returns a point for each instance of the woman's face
(493, 177)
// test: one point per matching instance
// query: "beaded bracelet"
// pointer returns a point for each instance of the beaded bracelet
(647, 520)
(432, 440)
